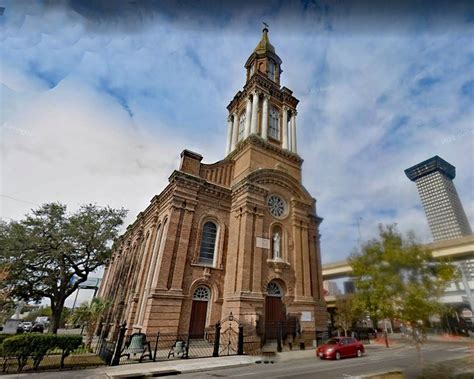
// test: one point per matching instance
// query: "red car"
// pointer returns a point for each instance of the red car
(340, 347)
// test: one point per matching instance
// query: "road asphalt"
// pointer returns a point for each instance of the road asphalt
(184, 366)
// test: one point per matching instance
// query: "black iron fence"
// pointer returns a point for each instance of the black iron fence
(223, 339)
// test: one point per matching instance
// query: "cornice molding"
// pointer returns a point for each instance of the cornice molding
(256, 140)
(268, 86)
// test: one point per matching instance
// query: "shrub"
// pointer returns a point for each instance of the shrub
(40, 346)
(18, 346)
(4, 336)
(36, 346)
(67, 344)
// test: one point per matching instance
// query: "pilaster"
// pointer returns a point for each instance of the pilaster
(284, 128)
(181, 253)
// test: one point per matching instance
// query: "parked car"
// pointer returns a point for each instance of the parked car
(340, 347)
(27, 325)
(365, 333)
(38, 327)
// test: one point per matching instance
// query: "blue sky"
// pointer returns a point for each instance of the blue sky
(99, 98)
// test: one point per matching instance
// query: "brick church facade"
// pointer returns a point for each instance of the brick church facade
(239, 235)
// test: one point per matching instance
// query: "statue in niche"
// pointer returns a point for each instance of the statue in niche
(276, 246)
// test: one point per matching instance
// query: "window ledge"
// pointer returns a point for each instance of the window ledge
(278, 264)
(203, 265)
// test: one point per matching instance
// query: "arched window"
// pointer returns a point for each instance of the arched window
(202, 293)
(277, 237)
(274, 128)
(271, 70)
(274, 289)
(208, 243)
(241, 126)
(252, 70)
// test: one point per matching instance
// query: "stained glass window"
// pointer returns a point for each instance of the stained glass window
(202, 293)
(208, 243)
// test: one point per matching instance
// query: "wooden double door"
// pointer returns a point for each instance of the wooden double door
(275, 316)
(197, 325)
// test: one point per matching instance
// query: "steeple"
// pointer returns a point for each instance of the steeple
(264, 45)
(263, 108)
(264, 60)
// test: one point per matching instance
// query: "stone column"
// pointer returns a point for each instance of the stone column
(284, 128)
(235, 132)
(293, 131)
(248, 114)
(265, 117)
(254, 124)
(229, 135)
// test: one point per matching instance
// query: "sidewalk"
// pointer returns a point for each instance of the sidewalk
(397, 338)
(143, 370)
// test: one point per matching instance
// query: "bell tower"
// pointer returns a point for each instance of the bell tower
(263, 108)
(273, 262)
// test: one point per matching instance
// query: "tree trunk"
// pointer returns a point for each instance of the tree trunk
(91, 325)
(56, 311)
(385, 337)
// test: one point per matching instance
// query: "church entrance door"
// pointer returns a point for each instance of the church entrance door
(275, 317)
(197, 324)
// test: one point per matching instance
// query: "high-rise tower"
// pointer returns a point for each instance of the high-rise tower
(444, 211)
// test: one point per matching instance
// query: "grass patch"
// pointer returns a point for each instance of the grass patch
(53, 362)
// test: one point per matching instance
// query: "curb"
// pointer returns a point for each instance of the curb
(169, 372)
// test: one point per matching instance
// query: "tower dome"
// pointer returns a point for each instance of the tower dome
(264, 60)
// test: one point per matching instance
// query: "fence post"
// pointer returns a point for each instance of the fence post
(118, 345)
(156, 346)
(217, 339)
(240, 344)
(187, 347)
(279, 349)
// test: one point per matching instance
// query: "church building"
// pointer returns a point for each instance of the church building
(237, 236)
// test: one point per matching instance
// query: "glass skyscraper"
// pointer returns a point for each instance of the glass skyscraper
(444, 211)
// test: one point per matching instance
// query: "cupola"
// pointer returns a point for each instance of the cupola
(264, 60)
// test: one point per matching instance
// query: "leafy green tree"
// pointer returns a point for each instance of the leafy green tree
(89, 315)
(396, 277)
(346, 312)
(50, 253)
(7, 306)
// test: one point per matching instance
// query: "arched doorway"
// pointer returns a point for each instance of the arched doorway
(275, 315)
(197, 325)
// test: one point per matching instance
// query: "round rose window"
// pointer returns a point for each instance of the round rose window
(276, 206)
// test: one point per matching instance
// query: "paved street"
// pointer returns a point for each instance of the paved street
(401, 357)
(295, 364)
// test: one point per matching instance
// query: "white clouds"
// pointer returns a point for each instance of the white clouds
(107, 109)
(76, 152)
